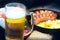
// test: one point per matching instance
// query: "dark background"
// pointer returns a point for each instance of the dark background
(29, 4)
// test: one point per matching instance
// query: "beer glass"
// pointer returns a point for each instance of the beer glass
(15, 19)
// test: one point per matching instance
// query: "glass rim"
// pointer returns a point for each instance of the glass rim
(15, 4)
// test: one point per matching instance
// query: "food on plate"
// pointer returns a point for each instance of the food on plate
(44, 15)
(50, 24)
(25, 31)
(2, 16)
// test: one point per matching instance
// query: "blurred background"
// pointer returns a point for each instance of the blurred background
(31, 3)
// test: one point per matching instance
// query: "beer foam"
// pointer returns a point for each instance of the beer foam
(15, 12)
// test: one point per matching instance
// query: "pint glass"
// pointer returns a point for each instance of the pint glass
(15, 14)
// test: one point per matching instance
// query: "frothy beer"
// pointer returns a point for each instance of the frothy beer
(15, 22)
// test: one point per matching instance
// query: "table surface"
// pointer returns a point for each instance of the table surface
(36, 35)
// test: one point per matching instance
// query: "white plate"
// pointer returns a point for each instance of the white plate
(2, 19)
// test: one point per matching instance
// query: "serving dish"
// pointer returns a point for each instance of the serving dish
(50, 31)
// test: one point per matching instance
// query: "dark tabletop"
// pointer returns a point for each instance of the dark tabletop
(2, 33)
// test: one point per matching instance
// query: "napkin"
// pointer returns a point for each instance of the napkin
(39, 36)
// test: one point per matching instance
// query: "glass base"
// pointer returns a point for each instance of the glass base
(8, 38)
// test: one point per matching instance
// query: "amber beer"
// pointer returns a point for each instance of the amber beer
(15, 22)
